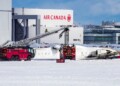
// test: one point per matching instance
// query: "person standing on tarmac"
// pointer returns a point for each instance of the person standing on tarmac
(61, 51)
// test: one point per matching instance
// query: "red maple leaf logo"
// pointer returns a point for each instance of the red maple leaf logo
(69, 18)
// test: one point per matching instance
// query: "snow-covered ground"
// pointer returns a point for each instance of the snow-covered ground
(70, 73)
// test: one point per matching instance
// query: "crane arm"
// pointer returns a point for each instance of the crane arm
(28, 40)
(5, 43)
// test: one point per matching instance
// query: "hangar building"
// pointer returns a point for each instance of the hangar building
(21, 23)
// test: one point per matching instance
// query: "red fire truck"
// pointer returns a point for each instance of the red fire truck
(16, 53)
(66, 52)
(69, 52)
(19, 50)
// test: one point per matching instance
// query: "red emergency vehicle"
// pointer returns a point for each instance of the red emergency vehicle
(16, 53)
(69, 52)
(66, 52)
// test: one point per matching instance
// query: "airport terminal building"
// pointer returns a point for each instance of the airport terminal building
(107, 33)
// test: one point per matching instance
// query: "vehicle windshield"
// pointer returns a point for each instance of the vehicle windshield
(31, 50)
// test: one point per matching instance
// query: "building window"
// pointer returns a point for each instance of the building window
(76, 39)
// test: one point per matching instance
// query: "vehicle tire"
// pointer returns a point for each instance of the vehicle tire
(17, 58)
(29, 58)
(14, 58)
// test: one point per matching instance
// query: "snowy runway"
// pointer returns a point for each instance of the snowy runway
(70, 73)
